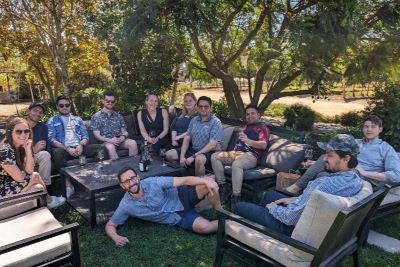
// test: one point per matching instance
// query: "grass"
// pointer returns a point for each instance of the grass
(154, 244)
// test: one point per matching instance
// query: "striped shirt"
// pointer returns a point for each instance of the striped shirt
(344, 184)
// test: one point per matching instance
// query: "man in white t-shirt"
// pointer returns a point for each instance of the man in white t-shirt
(68, 138)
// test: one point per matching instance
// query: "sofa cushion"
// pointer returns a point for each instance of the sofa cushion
(319, 214)
(273, 248)
(390, 198)
(30, 224)
(16, 209)
(283, 155)
(256, 173)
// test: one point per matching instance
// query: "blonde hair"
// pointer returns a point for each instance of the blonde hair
(185, 112)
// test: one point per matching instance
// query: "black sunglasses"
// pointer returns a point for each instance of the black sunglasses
(64, 105)
(127, 181)
(19, 132)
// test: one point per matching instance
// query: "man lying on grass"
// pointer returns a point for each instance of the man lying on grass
(166, 200)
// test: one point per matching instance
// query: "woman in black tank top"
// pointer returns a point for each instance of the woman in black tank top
(154, 123)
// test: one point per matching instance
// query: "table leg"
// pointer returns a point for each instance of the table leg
(92, 209)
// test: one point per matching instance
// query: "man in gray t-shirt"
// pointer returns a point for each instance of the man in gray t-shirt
(165, 200)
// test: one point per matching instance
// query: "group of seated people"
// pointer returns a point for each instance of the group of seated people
(194, 139)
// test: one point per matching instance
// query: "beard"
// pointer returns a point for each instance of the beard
(137, 189)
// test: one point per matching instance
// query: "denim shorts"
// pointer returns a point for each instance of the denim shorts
(188, 197)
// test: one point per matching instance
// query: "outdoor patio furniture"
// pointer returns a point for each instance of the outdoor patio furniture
(31, 236)
(329, 229)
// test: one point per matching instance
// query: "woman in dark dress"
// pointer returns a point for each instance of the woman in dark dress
(17, 163)
(154, 123)
(180, 125)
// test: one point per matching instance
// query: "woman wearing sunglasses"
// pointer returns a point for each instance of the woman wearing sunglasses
(17, 163)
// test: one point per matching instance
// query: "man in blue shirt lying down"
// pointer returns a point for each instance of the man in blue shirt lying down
(280, 213)
(165, 200)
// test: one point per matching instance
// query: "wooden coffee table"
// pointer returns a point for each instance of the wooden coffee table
(105, 189)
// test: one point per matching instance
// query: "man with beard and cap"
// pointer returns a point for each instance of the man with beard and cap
(280, 213)
(165, 200)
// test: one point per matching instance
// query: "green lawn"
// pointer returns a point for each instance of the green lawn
(160, 245)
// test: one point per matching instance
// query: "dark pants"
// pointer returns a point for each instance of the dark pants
(260, 214)
(60, 156)
(162, 143)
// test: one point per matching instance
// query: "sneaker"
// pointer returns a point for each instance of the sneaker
(70, 190)
(55, 202)
(234, 199)
(224, 192)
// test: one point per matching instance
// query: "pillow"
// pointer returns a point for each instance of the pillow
(283, 155)
(319, 214)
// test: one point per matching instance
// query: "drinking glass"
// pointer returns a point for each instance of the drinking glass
(162, 155)
(82, 160)
(100, 154)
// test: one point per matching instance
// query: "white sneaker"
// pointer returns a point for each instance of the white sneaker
(70, 190)
(55, 202)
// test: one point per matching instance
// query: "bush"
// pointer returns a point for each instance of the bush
(386, 105)
(275, 110)
(351, 118)
(221, 108)
(299, 117)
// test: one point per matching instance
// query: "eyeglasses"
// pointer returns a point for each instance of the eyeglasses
(64, 105)
(201, 106)
(127, 181)
(109, 101)
(19, 132)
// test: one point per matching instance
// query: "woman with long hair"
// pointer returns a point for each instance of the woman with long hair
(17, 163)
(180, 125)
(154, 123)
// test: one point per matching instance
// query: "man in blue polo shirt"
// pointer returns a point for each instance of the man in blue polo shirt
(202, 140)
(165, 200)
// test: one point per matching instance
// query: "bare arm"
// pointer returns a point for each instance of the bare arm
(111, 231)
(185, 146)
(212, 186)
(379, 176)
(211, 145)
(165, 124)
(14, 172)
(253, 143)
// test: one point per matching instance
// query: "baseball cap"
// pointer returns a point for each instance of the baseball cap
(342, 142)
(36, 104)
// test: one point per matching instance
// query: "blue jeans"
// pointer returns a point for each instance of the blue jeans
(260, 214)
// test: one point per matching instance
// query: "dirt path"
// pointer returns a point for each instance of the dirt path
(332, 107)
(7, 110)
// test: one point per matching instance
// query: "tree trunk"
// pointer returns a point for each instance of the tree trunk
(174, 85)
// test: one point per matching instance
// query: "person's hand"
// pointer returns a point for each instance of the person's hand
(270, 205)
(39, 146)
(360, 170)
(189, 160)
(121, 139)
(285, 201)
(113, 141)
(174, 143)
(78, 150)
(120, 241)
(182, 161)
(212, 186)
(243, 137)
(27, 146)
(70, 151)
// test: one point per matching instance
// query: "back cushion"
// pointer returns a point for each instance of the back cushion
(226, 137)
(282, 154)
(319, 214)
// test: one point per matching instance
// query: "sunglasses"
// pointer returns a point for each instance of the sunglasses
(109, 101)
(64, 105)
(127, 181)
(19, 132)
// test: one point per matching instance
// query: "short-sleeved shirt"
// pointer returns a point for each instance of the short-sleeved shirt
(344, 184)
(160, 203)
(181, 124)
(257, 132)
(109, 124)
(202, 132)
(40, 132)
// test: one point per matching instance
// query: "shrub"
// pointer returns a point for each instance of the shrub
(351, 118)
(386, 105)
(299, 117)
(275, 110)
(220, 107)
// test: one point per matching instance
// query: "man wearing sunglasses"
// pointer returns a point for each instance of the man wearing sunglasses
(109, 127)
(165, 200)
(68, 138)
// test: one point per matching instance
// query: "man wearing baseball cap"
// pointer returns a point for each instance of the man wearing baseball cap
(280, 213)
(42, 158)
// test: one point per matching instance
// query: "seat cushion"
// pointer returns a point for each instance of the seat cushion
(256, 173)
(319, 214)
(283, 155)
(27, 225)
(273, 248)
(16, 209)
(390, 198)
